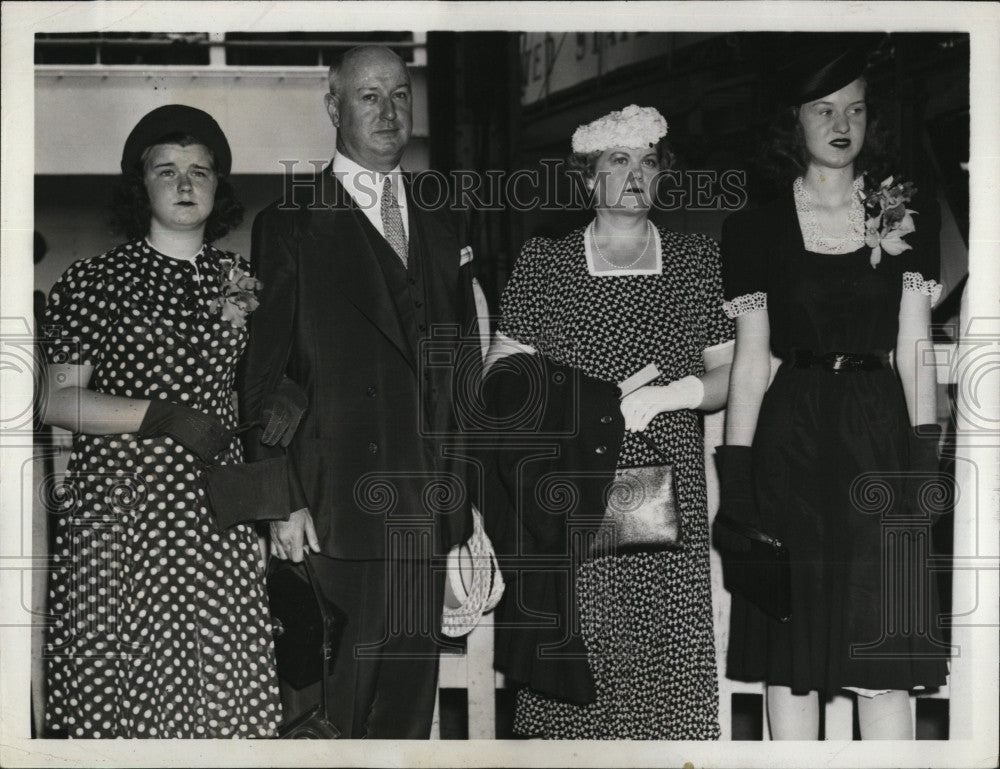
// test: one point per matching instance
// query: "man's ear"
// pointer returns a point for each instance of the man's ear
(332, 109)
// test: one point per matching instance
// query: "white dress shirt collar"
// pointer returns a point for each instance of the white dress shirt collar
(365, 188)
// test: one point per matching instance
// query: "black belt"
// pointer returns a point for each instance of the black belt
(839, 361)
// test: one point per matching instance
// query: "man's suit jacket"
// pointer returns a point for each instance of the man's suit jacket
(368, 452)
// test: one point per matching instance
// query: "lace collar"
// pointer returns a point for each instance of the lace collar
(814, 238)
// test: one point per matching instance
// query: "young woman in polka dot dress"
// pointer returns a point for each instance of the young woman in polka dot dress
(160, 623)
(609, 299)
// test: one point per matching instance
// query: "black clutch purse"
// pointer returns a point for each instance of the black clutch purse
(755, 566)
(248, 491)
(307, 631)
(640, 513)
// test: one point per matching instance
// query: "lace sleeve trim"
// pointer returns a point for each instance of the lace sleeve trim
(914, 281)
(744, 304)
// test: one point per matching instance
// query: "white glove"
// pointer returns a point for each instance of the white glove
(641, 406)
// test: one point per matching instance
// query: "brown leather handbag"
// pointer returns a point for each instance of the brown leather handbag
(641, 513)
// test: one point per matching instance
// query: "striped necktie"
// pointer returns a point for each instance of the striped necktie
(392, 221)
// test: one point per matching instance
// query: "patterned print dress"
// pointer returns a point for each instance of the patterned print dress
(646, 617)
(160, 624)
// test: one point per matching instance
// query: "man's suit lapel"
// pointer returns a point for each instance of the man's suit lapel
(440, 256)
(344, 254)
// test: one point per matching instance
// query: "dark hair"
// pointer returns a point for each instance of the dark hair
(585, 164)
(130, 211)
(783, 154)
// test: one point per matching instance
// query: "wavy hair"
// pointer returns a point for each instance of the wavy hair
(131, 213)
(783, 155)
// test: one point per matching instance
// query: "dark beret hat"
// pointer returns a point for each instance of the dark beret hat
(177, 119)
(826, 76)
(809, 66)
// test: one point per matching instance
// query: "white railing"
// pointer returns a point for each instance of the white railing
(217, 43)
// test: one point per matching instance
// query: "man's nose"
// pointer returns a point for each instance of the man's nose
(388, 112)
(183, 181)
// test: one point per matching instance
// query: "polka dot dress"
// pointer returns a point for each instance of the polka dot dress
(160, 625)
(646, 618)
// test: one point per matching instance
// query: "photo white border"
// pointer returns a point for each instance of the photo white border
(20, 21)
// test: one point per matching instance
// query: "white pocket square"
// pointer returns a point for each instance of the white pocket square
(465, 256)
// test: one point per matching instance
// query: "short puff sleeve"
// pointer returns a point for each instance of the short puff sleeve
(715, 326)
(76, 316)
(744, 267)
(526, 298)
(922, 262)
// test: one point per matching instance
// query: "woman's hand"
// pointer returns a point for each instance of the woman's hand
(200, 433)
(641, 406)
(282, 412)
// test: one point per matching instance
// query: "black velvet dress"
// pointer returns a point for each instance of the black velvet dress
(830, 453)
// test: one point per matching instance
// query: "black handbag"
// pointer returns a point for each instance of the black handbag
(641, 513)
(248, 491)
(307, 631)
(755, 566)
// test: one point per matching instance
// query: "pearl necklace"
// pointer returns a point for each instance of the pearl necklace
(597, 248)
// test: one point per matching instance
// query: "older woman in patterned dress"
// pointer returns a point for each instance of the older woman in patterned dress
(160, 623)
(607, 300)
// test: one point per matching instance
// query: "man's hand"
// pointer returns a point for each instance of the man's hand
(290, 538)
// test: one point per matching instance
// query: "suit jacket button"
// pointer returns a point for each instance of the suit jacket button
(422, 327)
(373, 447)
(601, 450)
(371, 392)
(605, 420)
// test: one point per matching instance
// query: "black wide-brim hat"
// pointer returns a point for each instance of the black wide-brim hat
(813, 65)
(173, 119)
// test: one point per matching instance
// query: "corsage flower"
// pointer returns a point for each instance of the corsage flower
(887, 219)
(238, 293)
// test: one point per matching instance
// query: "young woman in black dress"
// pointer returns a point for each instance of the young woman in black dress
(844, 302)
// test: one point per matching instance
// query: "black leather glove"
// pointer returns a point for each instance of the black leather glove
(281, 413)
(736, 494)
(926, 489)
(200, 433)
